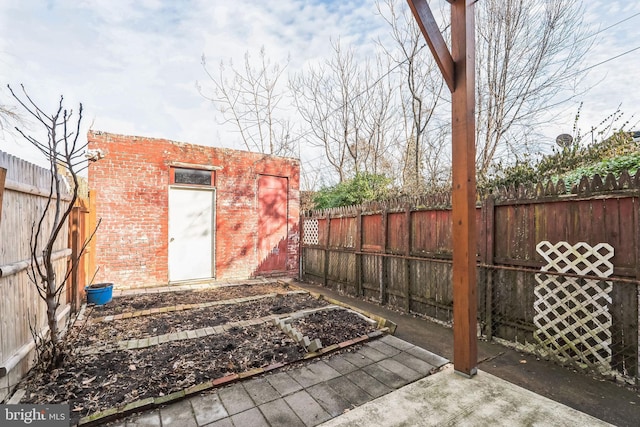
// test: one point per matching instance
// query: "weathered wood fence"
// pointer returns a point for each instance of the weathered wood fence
(26, 192)
(399, 253)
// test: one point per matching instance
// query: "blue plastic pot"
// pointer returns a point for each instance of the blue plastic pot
(99, 293)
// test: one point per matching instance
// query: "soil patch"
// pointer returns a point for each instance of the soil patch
(92, 383)
(128, 303)
(333, 326)
(163, 323)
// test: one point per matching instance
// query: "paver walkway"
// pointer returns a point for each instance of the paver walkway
(307, 395)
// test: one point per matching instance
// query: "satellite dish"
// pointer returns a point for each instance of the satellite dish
(564, 140)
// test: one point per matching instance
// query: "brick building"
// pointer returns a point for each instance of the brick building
(174, 212)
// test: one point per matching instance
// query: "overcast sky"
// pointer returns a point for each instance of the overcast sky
(134, 64)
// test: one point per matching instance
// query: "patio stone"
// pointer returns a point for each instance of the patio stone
(414, 363)
(349, 391)
(384, 348)
(371, 353)
(340, 364)
(235, 399)
(370, 384)
(178, 414)
(357, 359)
(307, 409)
(329, 399)
(400, 369)
(261, 391)
(150, 419)
(283, 383)
(252, 417)
(427, 356)
(278, 413)
(208, 408)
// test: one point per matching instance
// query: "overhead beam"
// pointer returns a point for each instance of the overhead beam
(435, 41)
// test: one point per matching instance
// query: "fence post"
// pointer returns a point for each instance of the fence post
(407, 252)
(3, 176)
(381, 263)
(358, 248)
(325, 275)
(76, 245)
(636, 214)
(488, 214)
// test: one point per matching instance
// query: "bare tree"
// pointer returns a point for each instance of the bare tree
(249, 99)
(528, 54)
(348, 111)
(424, 154)
(62, 150)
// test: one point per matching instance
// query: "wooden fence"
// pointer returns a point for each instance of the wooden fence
(26, 192)
(400, 253)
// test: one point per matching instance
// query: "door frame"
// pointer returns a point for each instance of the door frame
(213, 192)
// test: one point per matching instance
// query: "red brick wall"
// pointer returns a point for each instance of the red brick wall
(130, 187)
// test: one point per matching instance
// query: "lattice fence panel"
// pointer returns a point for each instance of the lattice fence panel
(310, 232)
(572, 319)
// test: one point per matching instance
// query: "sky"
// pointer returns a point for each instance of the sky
(135, 64)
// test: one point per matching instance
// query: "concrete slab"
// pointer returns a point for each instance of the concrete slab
(307, 409)
(384, 348)
(252, 417)
(323, 371)
(225, 422)
(427, 356)
(348, 390)
(371, 353)
(261, 391)
(341, 364)
(413, 362)
(375, 380)
(208, 408)
(178, 414)
(358, 359)
(396, 342)
(235, 399)
(446, 398)
(283, 383)
(278, 413)
(150, 419)
(400, 369)
(331, 401)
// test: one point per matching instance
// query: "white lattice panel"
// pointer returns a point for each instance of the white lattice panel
(310, 232)
(572, 315)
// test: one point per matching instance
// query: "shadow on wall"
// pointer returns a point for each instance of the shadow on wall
(276, 261)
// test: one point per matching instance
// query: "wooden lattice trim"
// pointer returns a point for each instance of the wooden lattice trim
(572, 315)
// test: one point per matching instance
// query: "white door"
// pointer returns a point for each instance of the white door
(191, 233)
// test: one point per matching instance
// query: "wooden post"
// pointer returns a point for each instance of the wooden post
(3, 176)
(381, 263)
(407, 252)
(358, 249)
(325, 275)
(458, 70)
(488, 214)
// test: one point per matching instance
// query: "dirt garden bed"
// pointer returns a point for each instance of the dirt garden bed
(151, 355)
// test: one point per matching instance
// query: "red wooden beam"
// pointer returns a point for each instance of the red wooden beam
(458, 70)
(431, 32)
(465, 301)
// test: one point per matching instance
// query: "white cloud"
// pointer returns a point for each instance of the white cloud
(134, 64)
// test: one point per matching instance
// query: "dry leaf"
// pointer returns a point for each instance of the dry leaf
(88, 381)
(523, 361)
(132, 367)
